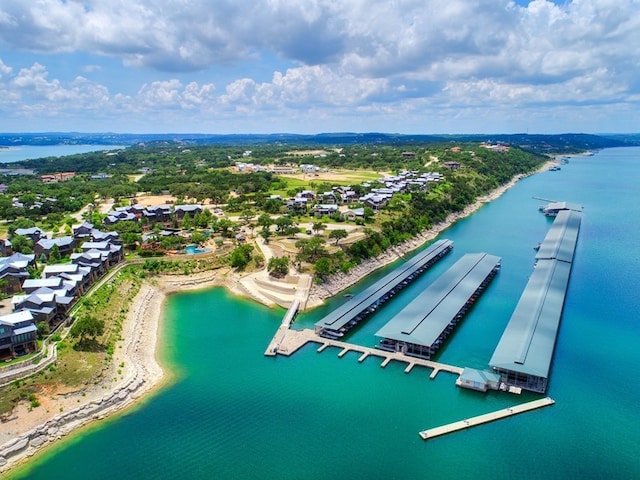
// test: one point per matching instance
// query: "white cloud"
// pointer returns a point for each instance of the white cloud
(336, 57)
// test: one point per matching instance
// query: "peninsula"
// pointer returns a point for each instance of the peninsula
(134, 371)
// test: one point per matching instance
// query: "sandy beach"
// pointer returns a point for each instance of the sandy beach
(136, 370)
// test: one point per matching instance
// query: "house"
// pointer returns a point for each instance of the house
(5, 247)
(30, 285)
(308, 194)
(34, 233)
(17, 334)
(329, 198)
(375, 201)
(349, 197)
(83, 230)
(72, 275)
(452, 165)
(298, 204)
(114, 252)
(57, 177)
(41, 304)
(161, 213)
(96, 261)
(44, 246)
(15, 270)
(320, 210)
(308, 168)
(119, 216)
(352, 214)
(181, 210)
(111, 237)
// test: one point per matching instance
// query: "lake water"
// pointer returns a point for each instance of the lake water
(234, 414)
(25, 152)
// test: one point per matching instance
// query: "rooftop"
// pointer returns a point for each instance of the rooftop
(423, 320)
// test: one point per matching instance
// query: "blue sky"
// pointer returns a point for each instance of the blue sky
(310, 66)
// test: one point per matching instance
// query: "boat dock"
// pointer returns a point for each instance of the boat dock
(290, 341)
(422, 326)
(486, 418)
(359, 307)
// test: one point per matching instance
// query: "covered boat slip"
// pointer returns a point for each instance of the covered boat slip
(560, 241)
(524, 353)
(346, 316)
(420, 328)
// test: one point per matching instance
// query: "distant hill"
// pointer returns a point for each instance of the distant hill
(568, 142)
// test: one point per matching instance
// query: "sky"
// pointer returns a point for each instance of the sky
(312, 66)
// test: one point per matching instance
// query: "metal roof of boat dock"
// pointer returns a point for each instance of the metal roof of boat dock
(423, 320)
(560, 241)
(528, 341)
(564, 206)
(342, 315)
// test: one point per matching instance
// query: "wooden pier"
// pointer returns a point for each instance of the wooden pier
(486, 418)
(287, 341)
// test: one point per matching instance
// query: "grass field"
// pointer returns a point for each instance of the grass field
(306, 181)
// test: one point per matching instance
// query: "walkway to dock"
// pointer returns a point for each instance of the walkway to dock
(486, 418)
(290, 341)
(281, 334)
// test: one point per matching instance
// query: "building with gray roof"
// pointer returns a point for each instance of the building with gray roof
(421, 327)
(359, 307)
(524, 353)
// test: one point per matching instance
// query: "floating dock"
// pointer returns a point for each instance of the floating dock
(345, 317)
(486, 418)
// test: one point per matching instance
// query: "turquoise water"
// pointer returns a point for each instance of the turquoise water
(235, 414)
(24, 152)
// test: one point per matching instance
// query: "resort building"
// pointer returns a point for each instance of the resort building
(17, 334)
(421, 327)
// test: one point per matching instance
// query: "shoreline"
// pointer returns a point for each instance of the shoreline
(30, 432)
(143, 373)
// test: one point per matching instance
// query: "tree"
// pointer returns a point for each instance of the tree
(43, 329)
(22, 244)
(322, 267)
(283, 223)
(131, 239)
(338, 234)
(241, 256)
(187, 222)
(54, 256)
(311, 249)
(86, 329)
(278, 266)
(317, 227)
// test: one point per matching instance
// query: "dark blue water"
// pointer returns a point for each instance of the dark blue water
(233, 413)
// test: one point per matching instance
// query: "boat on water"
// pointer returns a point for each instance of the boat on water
(555, 168)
